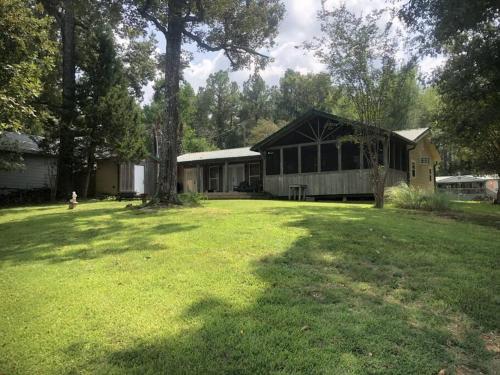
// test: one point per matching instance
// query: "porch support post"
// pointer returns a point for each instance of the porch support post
(225, 179)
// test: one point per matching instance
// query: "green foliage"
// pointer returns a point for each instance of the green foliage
(404, 196)
(298, 93)
(263, 129)
(111, 116)
(27, 55)
(192, 199)
(467, 33)
(217, 111)
(360, 56)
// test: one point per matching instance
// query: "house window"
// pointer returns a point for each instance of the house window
(350, 156)
(430, 174)
(290, 160)
(253, 173)
(425, 160)
(309, 159)
(413, 169)
(273, 161)
(329, 157)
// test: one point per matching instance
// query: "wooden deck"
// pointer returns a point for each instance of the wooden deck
(237, 195)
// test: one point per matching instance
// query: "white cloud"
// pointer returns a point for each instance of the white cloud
(299, 25)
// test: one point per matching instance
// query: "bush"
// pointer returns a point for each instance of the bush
(24, 196)
(404, 196)
(192, 199)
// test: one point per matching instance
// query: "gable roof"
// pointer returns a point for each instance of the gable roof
(231, 153)
(19, 142)
(308, 115)
(413, 135)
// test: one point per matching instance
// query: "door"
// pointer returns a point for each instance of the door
(236, 175)
(190, 180)
(139, 179)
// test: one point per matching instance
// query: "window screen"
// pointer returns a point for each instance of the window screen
(309, 158)
(273, 162)
(290, 160)
(350, 156)
(329, 157)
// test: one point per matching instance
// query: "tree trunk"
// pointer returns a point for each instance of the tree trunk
(167, 189)
(88, 171)
(378, 177)
(68, 114)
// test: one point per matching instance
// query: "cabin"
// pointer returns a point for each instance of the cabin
(312, 153)
(231, 170)
(39, 168)
(423, 157)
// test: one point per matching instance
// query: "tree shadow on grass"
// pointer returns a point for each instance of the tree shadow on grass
(354, 294)
(81, 234)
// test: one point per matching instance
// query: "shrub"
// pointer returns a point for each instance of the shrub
(192, 199)
(404, 196)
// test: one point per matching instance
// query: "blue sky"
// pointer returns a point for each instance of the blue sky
(299, 25)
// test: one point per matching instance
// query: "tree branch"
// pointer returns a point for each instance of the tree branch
(143, 11)
(226, 47)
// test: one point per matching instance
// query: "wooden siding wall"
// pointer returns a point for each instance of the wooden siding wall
(34, 175)
(330, 183)
(106, 177)
(424, 177)
(127, 176)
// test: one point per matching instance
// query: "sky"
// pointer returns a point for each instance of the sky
(298, 25)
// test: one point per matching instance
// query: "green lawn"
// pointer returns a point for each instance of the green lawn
(248, 287)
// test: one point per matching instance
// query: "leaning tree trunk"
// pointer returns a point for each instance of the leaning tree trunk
(65, 156)
(167, 189)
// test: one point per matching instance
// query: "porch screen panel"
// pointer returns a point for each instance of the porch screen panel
(350, 156)
(309, 159)
(329, 157)
(254, 173)
(290, 160)
(404, 158)
(398, 153)
(273, 162)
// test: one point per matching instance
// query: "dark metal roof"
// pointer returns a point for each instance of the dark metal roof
(308, 115)
(19, 142)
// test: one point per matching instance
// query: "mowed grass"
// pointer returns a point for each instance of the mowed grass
(247, 287)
